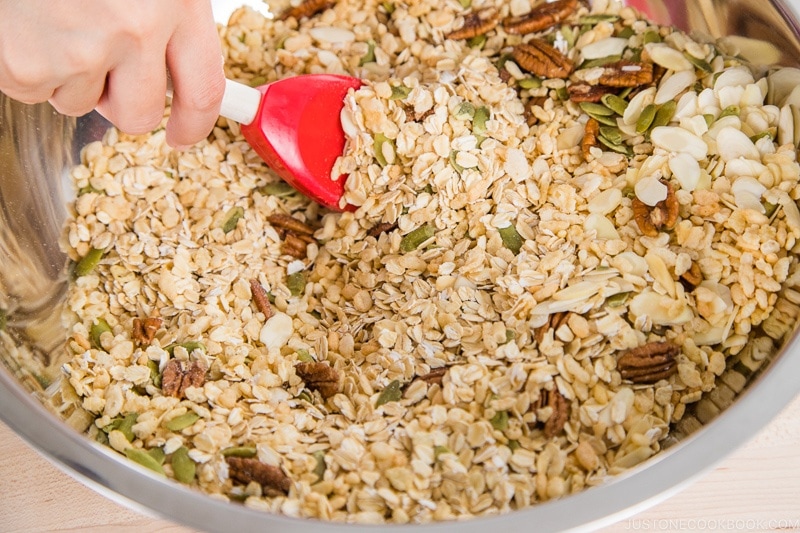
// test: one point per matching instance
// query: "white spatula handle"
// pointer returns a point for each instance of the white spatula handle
(240, 102)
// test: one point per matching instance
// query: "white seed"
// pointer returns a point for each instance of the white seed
(675, 139)
(732, 144)
(734, 77)
(276, 331)
(737, 168)
(667, 57)
(650, 191)
(610, 46)
(687, 106)
(686, 170)
(332, 35)
(600, 224)
(747, 193)
(675, 85)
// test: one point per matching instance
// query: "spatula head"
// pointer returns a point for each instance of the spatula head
(298, 132)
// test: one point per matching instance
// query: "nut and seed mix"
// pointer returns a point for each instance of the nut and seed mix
(568, 220)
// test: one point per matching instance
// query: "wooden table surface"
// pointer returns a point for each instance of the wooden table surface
(755, 489)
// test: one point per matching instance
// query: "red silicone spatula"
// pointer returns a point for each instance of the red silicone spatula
(294, 125)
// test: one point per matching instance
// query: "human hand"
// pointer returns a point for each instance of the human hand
(113, 56)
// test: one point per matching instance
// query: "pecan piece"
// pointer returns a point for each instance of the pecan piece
(541, 17)
(559, 413)
(476, 23)
(434, 376)
(584, 92)
(590, 133)
(530, 117)
(295, 234)
(554, 322)
(539, 57)
(260, 298)
(649, 363)
(319, 376)
(413, 116)
(626, 74)
(272, 479)
(307, 8)
(383, 227)
(663, 215)
(144, 331)
(692, 277)
(177, 377)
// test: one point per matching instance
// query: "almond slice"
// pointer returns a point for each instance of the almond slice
(679, 140)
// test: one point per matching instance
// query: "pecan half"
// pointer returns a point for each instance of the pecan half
(144, 331)
(584, 92)
(559, 414)
(626, 74)
(476, 23)
(319, 376)
(663, 215)
(308, 8)
(295, 234)
(383, 227)
(590, 133)
(539, 57)
(692, 277)
(272, 479)
(554, 322)
(260, 298)
(177, 377)
(541, 17)
(649, 363)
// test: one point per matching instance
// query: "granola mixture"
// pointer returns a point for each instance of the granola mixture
(568, 221)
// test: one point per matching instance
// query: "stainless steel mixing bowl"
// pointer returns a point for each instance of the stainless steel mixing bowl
(38, 146)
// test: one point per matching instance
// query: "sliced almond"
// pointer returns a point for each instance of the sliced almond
(733, 144)
(679, 140)
(738, 168)
(674, 85)
(605, 202)
(650, 191)
(600, 224)
(332, 35)
(686, 170)
(658, 269)
(637, 104)
(734, 77)
(664, 55)
(610, 46)
(661, 309)
(781, 83)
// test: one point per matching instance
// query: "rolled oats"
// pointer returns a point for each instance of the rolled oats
(543, 273)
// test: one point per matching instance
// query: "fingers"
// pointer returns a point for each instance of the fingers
(79, 95)
(195, 64)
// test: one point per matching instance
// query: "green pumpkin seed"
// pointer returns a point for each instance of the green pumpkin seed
(482, 115)
(600, 61)
(651, 36)
(465, 111)
(125, 425)
(144, 459)
(619, 148)
(182, 422)
(595, 19)
(439, 450)
(96, 332)
(454, 161)
(304, 356)
(183, 467)
(730, 111)
(281, 189)
(305, 396)
(388, 7)
(592, 109)
(569, 35)
(392, 393)
(240, 451)
(377, 147)
(511, 238)
(320, 467)
(617, 300)
(369, 57)
(664, 114)
(530, 83)
(157, 454)
(232, 218)
(615, 103)
(766, 133)
(500, 421)
(603, 119)
(701, 64)
(3, 319)
(465, 3)
(477, 42)
(562, 94)
(709, 118)
(257, 81)
(88, 262)
(296, 283)
(769, 209)
(646, 118)
(415, 238)
(155, 375)
(613, 135)
(510, 335)
(636, 56)
(626, 32)
(400, 92)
